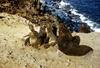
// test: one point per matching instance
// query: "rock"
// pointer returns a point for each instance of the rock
(66, 8)
(12, 30)
(28, 57)
(84, 28)
(23, 8)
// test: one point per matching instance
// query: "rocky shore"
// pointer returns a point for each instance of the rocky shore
(13, 53)
(15, 19)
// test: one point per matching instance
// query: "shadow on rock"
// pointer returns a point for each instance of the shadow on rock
(69, 45)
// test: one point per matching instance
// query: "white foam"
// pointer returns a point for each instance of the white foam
(42, 1)
(82, 17)
(62, 4)
(86, 20)
(96, 29)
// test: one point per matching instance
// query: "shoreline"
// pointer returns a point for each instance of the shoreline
(14, 53)
(68, 12)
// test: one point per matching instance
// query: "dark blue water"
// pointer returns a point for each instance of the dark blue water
(90, 8)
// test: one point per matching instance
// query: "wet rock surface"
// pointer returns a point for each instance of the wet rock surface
(33, 8)
(64, 11)
(84, 28)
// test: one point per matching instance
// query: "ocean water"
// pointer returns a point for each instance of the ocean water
(85, 11)
(90, 9)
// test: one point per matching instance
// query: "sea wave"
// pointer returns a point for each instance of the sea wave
(63, 7)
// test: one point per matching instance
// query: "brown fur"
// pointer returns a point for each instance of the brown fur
(70, 45)
(43, 35)
(51, 35)
(33, 39)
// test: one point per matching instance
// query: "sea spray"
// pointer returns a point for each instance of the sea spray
(62, 10)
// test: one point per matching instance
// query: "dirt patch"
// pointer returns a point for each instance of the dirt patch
(13, 53)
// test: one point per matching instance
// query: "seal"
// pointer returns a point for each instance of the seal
(69, 44)
(33, 38)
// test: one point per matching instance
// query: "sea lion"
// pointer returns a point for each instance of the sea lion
(43, 35)
(69, 44)
(51, 35)
(33, 38)
(54, 29)
(37, 37)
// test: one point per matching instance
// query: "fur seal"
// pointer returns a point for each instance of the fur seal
(33, 39)
(69, 44)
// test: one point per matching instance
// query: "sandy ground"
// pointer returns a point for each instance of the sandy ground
(13, 53)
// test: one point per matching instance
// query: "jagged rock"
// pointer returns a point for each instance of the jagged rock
(23, 8)
(84, 28)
